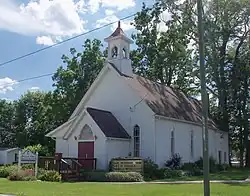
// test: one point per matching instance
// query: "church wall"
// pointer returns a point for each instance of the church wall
(117, 148)
(182, 141)
(114, 94)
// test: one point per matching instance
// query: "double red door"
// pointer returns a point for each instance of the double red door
(86, 153)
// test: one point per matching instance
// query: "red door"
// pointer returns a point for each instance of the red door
(86, 152)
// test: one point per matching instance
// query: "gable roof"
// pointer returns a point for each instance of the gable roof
(107, 122)
(8, 149)
(167, 101)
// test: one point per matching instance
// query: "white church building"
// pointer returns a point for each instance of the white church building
(123, 114)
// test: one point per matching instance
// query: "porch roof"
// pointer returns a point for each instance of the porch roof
(108, 123)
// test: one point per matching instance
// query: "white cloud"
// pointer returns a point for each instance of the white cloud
(34, 88)
(6, 84)
(165, 16)
(110, 17)
(45, 40)
(94, 5)
(57, 18)
(109, 12)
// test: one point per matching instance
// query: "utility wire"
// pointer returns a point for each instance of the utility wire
(66, 40)
(26, 79)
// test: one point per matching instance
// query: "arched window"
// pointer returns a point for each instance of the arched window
(172, 142)
(136, 141)
(114, 52)
(192, 143)
(86, 133)
(124, 53)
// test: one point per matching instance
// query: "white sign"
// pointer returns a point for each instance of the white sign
(28, 157)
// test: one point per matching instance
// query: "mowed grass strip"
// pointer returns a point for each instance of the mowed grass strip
(105, 189)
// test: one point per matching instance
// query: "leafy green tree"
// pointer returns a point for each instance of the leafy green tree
(73, 81)
(162, 56)
(7, 134)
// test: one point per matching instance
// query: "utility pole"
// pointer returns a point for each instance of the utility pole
(204, 100)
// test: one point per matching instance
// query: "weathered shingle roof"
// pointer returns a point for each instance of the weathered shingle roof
(167, 101)
(107, 122)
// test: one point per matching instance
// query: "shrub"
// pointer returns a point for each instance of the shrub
(222, 167)
(124, 177)
(189, 166)
(170, 173)
(22, 175)
(159, 174)
(94, 176)
(51, 176)
(150, 168)
(28, 166)
(174, 162)
(5, 171)
(191, 169)
(212, 164)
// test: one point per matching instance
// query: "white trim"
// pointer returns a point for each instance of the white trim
(160, 117)
(11, 149)
(121, 139)
(85, 140)
(50, 134)
(90, 91)
(73, 125)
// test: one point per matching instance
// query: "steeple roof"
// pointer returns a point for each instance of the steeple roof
(119, 33)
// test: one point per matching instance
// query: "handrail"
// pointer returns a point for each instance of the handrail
(75, 161)
(65, 162)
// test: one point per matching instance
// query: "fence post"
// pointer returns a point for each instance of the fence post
(19, 159)
(58, 157)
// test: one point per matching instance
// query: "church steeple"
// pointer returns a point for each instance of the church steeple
(118, 50)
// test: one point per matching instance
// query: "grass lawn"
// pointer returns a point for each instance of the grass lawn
(231, 174)
(104, 189)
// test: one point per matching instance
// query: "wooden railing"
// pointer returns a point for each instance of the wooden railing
(67, 166)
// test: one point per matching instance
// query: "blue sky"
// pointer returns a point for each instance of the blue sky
(29, 25)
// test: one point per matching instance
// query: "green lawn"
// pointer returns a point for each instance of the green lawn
(104, 189)
(231, 174)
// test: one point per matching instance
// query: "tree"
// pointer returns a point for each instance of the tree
(162, 56)
(72, 82)
(7, 135)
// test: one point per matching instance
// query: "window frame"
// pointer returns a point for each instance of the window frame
(172, 142)
(137, 140)
(192, 143)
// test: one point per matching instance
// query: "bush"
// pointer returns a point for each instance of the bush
(174, 162)
(101, 176)
(170, 173)
(51, 176)
(22, 175)
(212, 164)
(5, 171)
(150, 169)
(189, 166)
(28, 166)
(124, 177)
(191, 169)
(94, 176)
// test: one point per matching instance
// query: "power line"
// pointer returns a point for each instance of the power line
(26, 79)
(66, 40)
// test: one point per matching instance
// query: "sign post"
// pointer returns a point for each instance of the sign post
(28, 157)
(36, 165)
